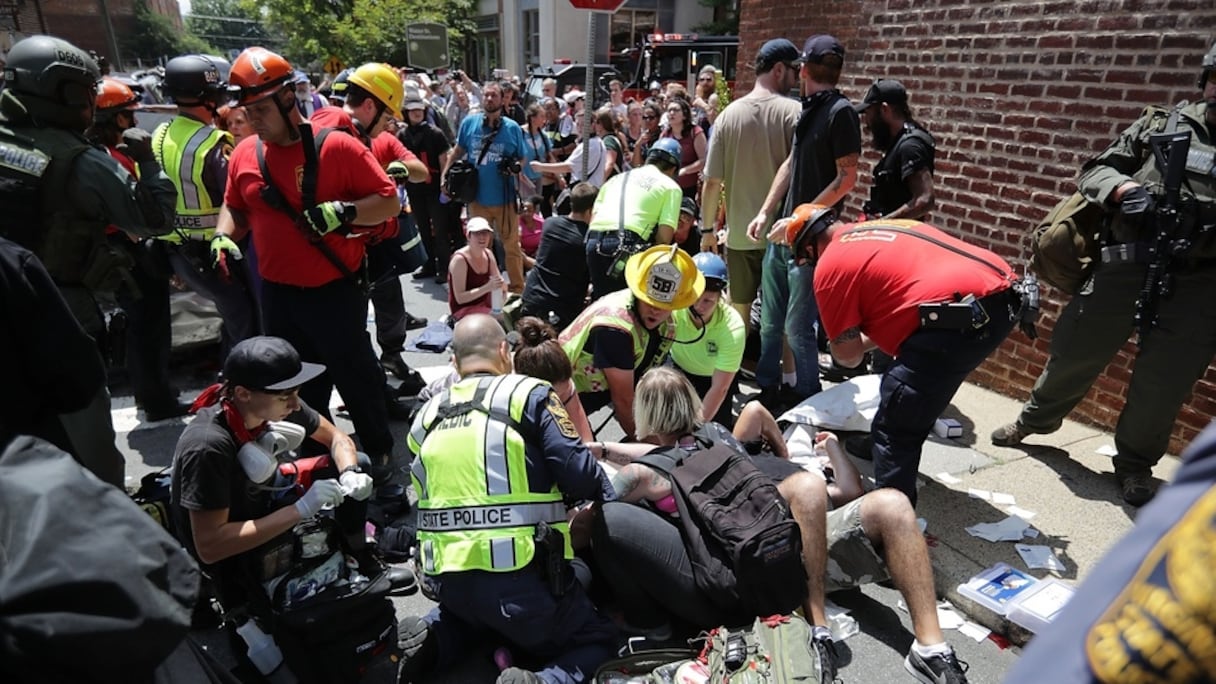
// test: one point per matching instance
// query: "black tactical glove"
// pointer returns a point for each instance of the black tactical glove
(137, 144)
(1136, 201)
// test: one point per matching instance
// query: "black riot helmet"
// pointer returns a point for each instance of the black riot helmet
(54, 80)
(337, 91)
(193, 80)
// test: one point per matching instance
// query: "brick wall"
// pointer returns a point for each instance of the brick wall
(1018, 94)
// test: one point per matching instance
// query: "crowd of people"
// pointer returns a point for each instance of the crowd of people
(593, 257)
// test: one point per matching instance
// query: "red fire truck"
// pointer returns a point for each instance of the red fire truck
(675, 57)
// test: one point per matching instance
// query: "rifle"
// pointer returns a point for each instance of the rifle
(1170, 151)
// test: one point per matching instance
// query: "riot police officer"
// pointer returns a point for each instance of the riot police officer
(194, 154)
(59, 202)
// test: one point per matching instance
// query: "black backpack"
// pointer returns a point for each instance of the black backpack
(745, 548)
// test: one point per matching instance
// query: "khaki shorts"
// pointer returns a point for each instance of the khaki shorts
(743, 269)
(852, 559)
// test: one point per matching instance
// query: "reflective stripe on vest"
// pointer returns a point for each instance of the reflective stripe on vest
(182, 147)
(613, 310)
(476, 510)
(489, 517)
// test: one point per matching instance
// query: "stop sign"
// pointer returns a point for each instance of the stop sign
(602, 6)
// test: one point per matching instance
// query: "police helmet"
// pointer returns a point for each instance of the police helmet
(665, 150)
(195, 79)
(54, 79)
(337, 91)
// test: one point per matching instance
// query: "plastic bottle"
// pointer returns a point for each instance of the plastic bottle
(496, 295)
(263, 652)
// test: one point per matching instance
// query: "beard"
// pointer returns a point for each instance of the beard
(881, 137)
(491, 110)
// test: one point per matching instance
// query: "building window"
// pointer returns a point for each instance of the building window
(628, 27)
(531, 38)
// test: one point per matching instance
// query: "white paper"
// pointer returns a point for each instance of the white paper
(980, 494)
(1009, 529)
(1003, 499)
(1039, 557)
(1031, 533)
(1021, 512)
(977, 632)
(946, 478)
(1107, 450)
(946, 617)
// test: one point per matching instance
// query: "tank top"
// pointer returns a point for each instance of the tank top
(688, 155)
(472, 280)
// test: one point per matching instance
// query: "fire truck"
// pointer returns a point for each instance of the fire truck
(675, 57)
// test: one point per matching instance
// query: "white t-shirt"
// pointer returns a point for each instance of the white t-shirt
(595, 162)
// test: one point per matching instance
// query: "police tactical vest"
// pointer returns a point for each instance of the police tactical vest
(181, 147)
(35, 167)
(475, 508)
(611, 311)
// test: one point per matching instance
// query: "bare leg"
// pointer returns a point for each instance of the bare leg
(807, 496)
(890, 523)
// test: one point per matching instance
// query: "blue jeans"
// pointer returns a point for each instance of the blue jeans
(919, 385)
(788, 308)
(567, 633)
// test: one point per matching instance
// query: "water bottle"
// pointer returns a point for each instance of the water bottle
(263, 652)
(496, 296)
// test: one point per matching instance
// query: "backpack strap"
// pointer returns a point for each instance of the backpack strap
(308, 194)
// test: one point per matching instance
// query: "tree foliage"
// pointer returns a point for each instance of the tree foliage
(360, 31)
(229, 25)
(155, 37)
(725, 21)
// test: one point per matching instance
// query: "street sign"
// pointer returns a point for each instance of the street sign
(601, 6)
(333, 65)
(426, 46)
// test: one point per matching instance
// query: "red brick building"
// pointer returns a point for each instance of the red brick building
(97, 25)
(1018, 94)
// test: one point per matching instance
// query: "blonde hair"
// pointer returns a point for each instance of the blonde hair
(665, 404)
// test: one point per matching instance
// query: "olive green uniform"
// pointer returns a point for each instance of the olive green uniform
(1098, 321)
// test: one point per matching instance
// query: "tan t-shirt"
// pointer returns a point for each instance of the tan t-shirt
(750, 139)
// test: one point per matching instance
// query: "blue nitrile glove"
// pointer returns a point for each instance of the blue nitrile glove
(327, 217)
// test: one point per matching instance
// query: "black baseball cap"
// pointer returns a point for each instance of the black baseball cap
(884, 90)
(819, 46)
(688, 206)
(774, 51)
(268, 363)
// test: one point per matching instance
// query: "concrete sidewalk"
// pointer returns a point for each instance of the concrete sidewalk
(1059, 477)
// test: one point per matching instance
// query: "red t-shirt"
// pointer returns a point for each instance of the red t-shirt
(876, 280)
(347, 172)
(386, 148)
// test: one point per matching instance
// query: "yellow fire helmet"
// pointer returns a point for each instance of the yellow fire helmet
(383, 83)
(664, 276)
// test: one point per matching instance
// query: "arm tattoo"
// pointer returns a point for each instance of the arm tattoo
(626, 481)
(848, 161)
(850, 334)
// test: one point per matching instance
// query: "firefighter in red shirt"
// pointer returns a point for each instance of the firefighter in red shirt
(937, 304)
(306, 220)
(370, 102)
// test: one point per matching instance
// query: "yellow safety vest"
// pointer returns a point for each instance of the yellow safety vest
(475, 509)
(614, 310)
(181, 147)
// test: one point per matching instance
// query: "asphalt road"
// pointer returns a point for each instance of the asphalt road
(874, 654)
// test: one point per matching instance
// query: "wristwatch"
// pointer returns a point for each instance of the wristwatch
(707, 231)
(351, 469)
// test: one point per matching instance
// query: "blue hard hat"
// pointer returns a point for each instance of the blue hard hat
(713, 268)
(666, 149)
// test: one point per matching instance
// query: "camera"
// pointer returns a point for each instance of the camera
(510, 166)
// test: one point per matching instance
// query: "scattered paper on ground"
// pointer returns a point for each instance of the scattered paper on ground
(946, 616)
(980, 494)
(1031, 533)
(1039, 557)
(977, 632)
(1021, 512)
(1009, 529)
(922, 524)
(1003, 499)
(1107, 450)
(946, 478)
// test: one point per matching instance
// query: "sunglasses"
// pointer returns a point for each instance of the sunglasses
(706, 78)
(649, 117)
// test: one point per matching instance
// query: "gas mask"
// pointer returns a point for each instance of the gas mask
(259, 458)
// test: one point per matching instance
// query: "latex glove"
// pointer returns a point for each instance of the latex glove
(137, 144)
(398, 171)
(1136, 200)
(327, 217)
(357, 486)
(223, 250)
(322, 494)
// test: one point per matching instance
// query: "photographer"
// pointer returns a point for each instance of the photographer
(494, 145)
